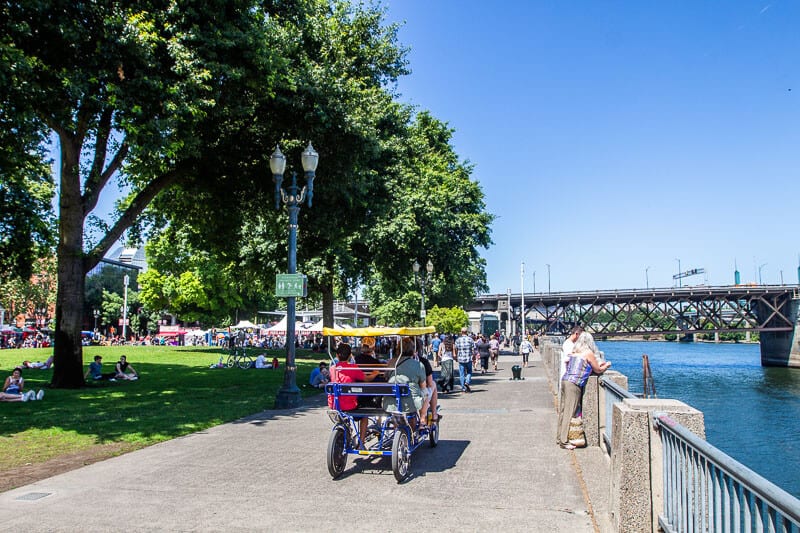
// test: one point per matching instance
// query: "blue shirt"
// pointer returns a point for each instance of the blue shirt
(435, 344)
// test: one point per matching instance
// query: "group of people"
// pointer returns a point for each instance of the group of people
(579, 359)
(14, 389)
(122, 370)
(410, 366)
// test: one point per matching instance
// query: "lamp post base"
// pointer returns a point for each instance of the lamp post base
(288, 398)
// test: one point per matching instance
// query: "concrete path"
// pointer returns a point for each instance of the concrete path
(497, 467)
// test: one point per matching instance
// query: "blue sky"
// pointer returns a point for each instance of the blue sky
(614, 136)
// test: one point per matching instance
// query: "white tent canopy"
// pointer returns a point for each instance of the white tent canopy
(314, 328)
(280, 328)
(195, 333)
(244, 324)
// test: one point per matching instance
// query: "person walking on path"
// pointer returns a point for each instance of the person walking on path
(483, 351)
(526, 348)
(447, 352)
(494, 351)
(465, 350)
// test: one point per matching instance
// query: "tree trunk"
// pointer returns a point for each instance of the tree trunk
(327, 305)
(68, 351)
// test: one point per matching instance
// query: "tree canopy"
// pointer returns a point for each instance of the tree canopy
(181, 103)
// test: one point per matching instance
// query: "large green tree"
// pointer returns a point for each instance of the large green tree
(438, 214)
(340, 73)
(125, 87)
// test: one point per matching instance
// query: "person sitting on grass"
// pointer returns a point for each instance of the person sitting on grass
(320, 376)
(125, 370)
(13, 389)
(38, 364)
(96, 370)
(261, 362)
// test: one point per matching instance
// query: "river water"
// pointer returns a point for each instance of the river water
(751, 413)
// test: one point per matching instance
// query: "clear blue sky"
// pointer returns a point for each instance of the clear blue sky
(618, 135)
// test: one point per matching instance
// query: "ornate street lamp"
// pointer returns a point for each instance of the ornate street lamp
(289, 394)
(423, 282)
(41, 317)
(96, 314)
(125, 280)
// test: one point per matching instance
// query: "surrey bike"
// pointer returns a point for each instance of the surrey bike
(391, 433)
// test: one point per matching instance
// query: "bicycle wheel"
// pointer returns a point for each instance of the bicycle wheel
(245, 361)
(337, 454)
(401, 456)
(231, 360)
(433, 434)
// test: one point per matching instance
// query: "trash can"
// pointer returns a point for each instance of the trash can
(516, 371)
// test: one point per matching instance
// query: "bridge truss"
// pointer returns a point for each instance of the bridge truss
(679, 311)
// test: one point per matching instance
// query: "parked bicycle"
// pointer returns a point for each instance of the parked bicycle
(239, 357)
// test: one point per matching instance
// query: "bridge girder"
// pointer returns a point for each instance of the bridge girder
(656, 311)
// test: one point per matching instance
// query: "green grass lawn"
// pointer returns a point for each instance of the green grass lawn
(176, 394)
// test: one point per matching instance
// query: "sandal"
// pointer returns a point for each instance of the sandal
(568, 446)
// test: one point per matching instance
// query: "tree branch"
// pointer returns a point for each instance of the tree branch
(128, 217)
(96, 182)
(101, 142)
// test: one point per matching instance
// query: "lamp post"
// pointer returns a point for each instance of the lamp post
(509, 323)
(534, 282)
(423, 281)
(759, 272)
(96, 314)
(548, 279)
(289, 394)
(41, 317)
(678, 275)
(646, 278)
(125, 280)
(522, 298)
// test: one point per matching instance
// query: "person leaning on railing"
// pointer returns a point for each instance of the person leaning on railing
(580, 365)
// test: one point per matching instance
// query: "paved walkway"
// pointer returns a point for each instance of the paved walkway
(497, 467)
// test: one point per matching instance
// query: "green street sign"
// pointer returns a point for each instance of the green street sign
(291, 285)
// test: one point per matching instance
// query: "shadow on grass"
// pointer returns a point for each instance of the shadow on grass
(173, 397)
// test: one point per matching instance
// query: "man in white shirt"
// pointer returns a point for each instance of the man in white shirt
(566, 349)
(261, 362)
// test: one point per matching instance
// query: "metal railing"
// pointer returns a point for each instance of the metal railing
(614, 394)
(706, 490)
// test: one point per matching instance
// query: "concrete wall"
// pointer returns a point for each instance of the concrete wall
(636, 460)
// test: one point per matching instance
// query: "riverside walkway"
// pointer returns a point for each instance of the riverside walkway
(497, 467)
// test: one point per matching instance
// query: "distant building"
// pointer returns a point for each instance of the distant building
(131, 256)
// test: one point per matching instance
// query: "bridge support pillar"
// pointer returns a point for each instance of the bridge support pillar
(781, 348)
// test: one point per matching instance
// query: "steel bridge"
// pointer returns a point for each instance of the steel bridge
(681, 311)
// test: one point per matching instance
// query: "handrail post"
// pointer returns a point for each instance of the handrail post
(636, 477)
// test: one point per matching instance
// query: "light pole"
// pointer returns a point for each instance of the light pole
(646, 278)
(522, 298)
(548, 279)
(759, 272)
(96, 314)
(289, 394)
(423, 281)
(41, 317)
(678, 275)
(534, 282)
(126, 280)
(509, 324)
